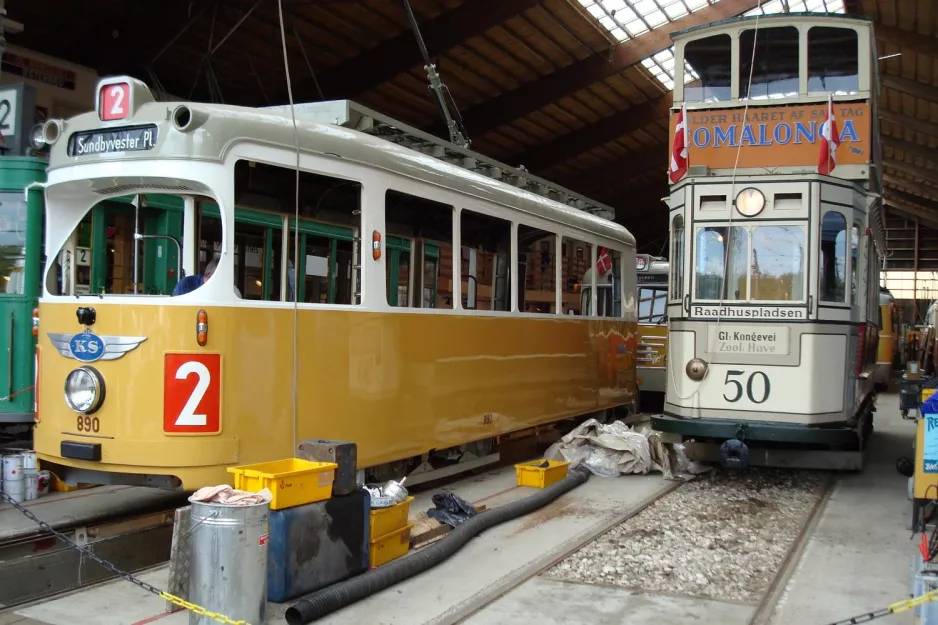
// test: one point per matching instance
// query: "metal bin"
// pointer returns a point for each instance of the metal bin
(228, 570)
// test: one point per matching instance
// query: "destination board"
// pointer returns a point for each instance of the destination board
(750, 340)
(773, 136)
(128, 139)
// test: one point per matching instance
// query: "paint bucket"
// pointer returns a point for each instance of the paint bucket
(13, 468)
(30, 462)
(15, 489)
(32, 486)
(45, 480)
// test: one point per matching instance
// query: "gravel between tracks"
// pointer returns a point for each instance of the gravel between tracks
(722, 536)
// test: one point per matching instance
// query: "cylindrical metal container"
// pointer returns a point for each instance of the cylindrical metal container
(30, 462)
(13, 467)
(228, 569)
(15, 489)
(32, 485)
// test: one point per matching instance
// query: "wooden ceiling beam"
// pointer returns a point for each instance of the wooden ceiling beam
(912, 123)
(915, 213)
(400, 54)
(536, 94)
(912, 149)
(923, 44)
(911, 87)
(929, 176)
(588, 183)
(910, 186)
(585, 139)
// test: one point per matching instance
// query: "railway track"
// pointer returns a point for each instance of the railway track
(39, 566)
(762, 607)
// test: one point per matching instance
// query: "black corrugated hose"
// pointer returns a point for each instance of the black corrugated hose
(338, 596)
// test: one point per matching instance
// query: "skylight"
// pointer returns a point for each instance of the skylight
(630, 19)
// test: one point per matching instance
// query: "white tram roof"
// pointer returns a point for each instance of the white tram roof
(338, 128)
(776, 19)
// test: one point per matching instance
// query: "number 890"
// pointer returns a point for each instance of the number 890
(88, 423)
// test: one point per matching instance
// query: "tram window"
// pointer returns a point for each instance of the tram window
(485, 253)
(711, 59)
(833, 260)
(418, 228)
(608, 270)
(774, 66)
(833, 61)
(576, 277)
(652, 304)
(712, 251)
(329, 214)
(537, 262)
(854, 262)
(13, 242)
(778, 262)
(677, 257)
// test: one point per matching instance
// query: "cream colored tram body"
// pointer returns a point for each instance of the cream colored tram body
(776, 240)
(373, 284)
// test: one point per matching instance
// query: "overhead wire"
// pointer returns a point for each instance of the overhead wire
(296, 230)
(729, 229)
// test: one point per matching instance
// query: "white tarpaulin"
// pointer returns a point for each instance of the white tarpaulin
(614, 449)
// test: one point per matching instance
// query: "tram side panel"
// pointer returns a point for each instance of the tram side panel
(398, 384)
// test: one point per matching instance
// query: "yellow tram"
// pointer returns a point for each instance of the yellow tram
(368, 283)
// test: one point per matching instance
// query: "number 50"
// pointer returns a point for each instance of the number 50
(750, 392)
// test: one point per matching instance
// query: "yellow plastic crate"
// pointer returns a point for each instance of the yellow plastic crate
(390, 546)
(386, 520)
(529, 474)
(292, 482)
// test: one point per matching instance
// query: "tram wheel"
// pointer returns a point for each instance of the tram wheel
(396, 470)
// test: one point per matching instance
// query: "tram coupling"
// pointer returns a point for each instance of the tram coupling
(734, 453)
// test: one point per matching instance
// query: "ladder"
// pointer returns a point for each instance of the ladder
(357, 117)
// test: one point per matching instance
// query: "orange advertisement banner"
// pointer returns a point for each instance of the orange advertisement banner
(777, 136)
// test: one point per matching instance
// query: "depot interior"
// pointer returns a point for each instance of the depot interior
(575, 91)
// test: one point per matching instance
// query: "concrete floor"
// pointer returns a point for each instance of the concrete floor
(856, 560)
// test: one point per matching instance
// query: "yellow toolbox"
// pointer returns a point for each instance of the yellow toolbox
(530, 474)
(390, 546)
(292, 482)
(386, 520)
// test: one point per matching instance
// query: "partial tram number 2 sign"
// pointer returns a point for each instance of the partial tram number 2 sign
(192, 394)
(114, 101)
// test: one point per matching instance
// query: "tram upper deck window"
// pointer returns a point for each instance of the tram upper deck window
(833, 61)
(711, 59)
(12, 242)
(771, 56)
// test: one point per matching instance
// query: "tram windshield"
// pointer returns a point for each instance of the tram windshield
(751, 263)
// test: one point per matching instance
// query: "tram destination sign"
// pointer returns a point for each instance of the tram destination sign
(128, 139)
(729, 313)
(652, 278)
(754, 340)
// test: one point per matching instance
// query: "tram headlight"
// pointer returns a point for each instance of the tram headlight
(84, 390)
(750, 202)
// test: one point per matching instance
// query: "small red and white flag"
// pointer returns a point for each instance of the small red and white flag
(679, 151)
(829, 136)
(603, 263)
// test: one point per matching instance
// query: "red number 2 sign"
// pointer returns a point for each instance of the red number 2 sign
(114, 101)
(192, 394)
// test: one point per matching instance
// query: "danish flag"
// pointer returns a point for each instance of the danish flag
(829, 140)
(679, 151)
(603, 263)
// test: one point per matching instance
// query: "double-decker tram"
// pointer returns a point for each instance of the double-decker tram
(652, 276)
(776, 240)
(346, 277)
